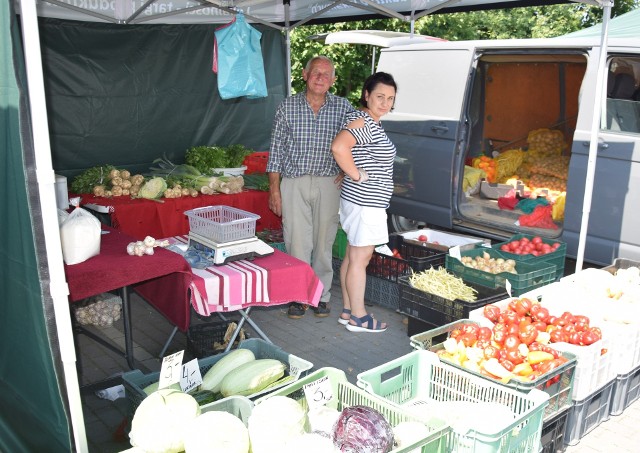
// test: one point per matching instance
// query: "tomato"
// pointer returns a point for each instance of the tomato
(570, 319)
(505, 248)
(508, 317)
(575, 338)
(455, 334)
(491, 312)
(535, 307)
(589, 337)
(513, 329)
(581, 326)
(514, 356)
(550, 350)
(422, 238)
(525, 321)
(523, 306)
(535, 346)
(528, 334)
(470, 329)
(512, 342)
(484, 333)
(499, 333)
(541, 314)
(539, 325)
(559, 336)
(490, 352)
(481, 344)
(536, 240)
(551, 320)
(507, 364)
(597, 331)
(468, 339)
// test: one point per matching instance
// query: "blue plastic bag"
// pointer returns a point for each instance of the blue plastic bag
(237, 59)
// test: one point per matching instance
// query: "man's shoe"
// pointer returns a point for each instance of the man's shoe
(322, 310)
(296, 310)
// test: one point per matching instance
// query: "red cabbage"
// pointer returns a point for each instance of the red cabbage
(361, 429)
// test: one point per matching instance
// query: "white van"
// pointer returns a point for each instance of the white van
(457, 101)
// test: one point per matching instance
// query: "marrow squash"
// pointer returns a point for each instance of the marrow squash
(213, 378)
(252, 377)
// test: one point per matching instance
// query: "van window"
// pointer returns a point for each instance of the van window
(623, 95)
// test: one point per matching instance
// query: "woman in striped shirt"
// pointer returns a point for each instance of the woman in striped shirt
(365, 155)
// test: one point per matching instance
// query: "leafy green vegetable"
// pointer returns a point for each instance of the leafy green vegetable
(85, 182)
(204, 158)
(186, 175)
(257, 181)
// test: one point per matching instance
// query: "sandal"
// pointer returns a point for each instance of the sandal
(343, 321)
(373, 325)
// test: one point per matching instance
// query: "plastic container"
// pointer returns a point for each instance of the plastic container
(557, 383)
(556, 257)
(236, 171)
(207, 339)
(237, 405)
(587, 414)
(552, 437)
(529, 275)
(439, 310)
(62, 192)
(343, 395)
(256, 162)
(443, 240)
(621, 263)
(340, 244)
(135, 381)
(413, 257)
(222, 223)
(626, 390)
(422, 385)
(380, 291)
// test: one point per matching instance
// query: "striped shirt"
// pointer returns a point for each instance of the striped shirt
(301, 140)
(375, 153)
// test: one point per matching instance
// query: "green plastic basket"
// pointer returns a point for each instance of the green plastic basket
(422, 385)
(557, 383)
(529, 275)
(344, 394)
(557, 257)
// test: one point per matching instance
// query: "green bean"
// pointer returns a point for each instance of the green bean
(443, 284)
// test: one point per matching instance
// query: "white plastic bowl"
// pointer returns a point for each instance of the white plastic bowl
(230, 171)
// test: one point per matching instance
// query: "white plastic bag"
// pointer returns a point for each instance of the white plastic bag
(80, 236)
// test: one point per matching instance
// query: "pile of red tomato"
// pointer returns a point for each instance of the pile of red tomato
(525, 246)
(524, 318)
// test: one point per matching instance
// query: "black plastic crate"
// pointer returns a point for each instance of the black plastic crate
(586, 415)
(552, 437)
(380, 291)
(412, 257)
(417, 326)
(207, 339)
(440, 311)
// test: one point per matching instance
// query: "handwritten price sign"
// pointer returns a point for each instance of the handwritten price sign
(318, 393)
(171, 369)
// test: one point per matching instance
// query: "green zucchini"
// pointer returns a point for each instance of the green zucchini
(252, 377)
(234, 358)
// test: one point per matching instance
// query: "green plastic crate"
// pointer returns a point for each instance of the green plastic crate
(423, 385)
(344, 394)
(557, 257)
(557, 383)
(529, 275)
(339, 249)
(135, 381)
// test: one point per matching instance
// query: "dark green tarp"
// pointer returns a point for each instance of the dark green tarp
(127, 95)
(32, 414)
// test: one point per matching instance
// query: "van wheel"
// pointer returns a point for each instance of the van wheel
(398, 223)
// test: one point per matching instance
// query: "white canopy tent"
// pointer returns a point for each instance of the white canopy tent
(281, 14)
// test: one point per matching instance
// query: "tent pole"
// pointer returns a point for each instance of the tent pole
(595, 128)
(46, 179)
(287, 28)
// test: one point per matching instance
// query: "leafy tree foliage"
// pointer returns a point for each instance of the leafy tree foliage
(354, 61)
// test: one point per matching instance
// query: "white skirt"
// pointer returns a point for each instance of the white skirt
(363, 225)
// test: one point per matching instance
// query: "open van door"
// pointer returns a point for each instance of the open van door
(427, 127)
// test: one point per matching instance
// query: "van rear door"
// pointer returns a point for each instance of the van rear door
(425, 126)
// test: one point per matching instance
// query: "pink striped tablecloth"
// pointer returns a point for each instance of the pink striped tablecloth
(272, 280)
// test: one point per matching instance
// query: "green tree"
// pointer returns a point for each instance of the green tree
(353, 62)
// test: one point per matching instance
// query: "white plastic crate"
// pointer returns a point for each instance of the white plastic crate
(222, 223)
(424, 386)
(237, 405)
(624, 346)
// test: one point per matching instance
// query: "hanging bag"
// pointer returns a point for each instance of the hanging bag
(237, 60)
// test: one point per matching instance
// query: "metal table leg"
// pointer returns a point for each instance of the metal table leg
(126, 319)
(246, 317)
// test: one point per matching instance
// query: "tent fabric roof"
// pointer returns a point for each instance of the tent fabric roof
(624, 26)
(267, 12)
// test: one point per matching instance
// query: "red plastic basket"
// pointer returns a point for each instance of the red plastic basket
(256, 162)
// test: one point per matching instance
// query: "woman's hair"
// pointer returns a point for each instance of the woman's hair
(372, 81)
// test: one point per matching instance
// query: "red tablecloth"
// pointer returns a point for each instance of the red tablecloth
(113, 268)
(271, 280)
(140, 217)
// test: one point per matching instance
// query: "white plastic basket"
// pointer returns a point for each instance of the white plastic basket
(222, 223)
(423, 386)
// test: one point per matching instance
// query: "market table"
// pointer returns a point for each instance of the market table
(164, 218)
(114, 269)
(240, 285)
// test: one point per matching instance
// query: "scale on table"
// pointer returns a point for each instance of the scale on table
(222, 253)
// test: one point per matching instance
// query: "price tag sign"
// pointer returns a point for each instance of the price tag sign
(455, 252)
(171, 369)
(508, 286)
(318, 393)
(191, 376)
